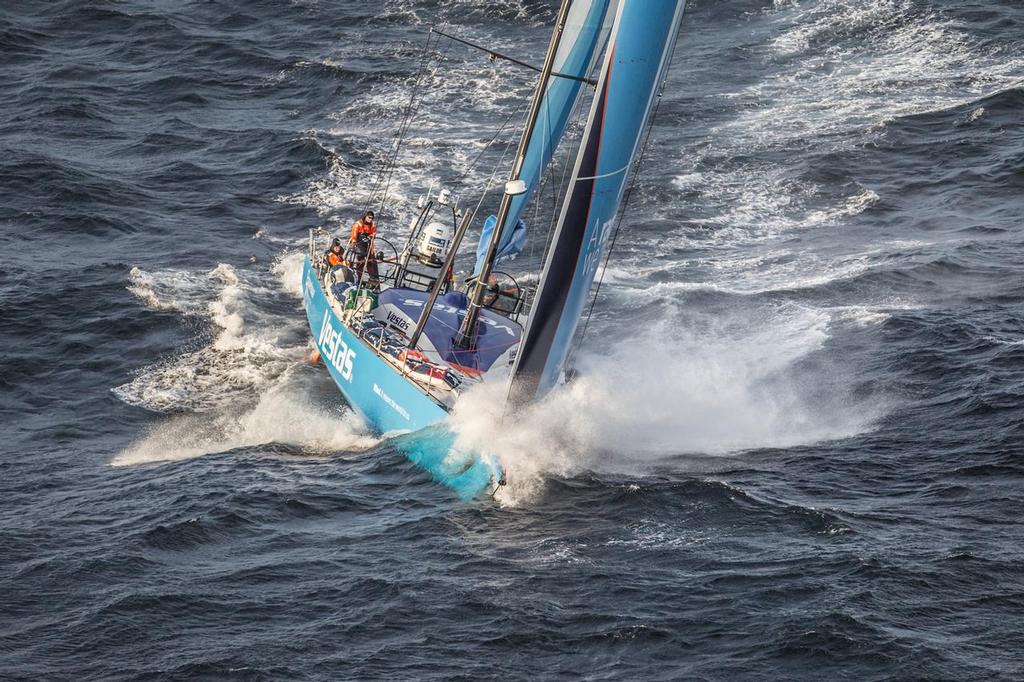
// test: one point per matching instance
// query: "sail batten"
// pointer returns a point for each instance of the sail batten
(637, 57)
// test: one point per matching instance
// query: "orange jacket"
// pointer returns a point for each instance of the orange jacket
(335, 259)
(359, 227)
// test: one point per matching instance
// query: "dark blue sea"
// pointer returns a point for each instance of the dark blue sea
(795, 447)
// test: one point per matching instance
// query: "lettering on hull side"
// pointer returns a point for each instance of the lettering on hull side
(391, 402)
(334, 349)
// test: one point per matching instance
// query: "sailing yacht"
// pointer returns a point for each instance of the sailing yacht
(404, 347)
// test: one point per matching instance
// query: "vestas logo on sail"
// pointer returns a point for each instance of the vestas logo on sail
(334, 349)
(595, 248)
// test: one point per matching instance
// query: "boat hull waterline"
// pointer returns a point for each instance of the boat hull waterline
(390, 403)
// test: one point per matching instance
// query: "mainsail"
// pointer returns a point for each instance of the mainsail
(576, 55)
(639, 49)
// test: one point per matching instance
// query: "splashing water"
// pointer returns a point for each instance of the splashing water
(245, 387)
(250, 347)
(280, 416)
(288, 269)
(675, 391)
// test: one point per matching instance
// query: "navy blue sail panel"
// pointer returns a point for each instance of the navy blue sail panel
(639, 49)
(497, 332)
(584, 34)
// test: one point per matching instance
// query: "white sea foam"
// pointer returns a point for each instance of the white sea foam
(168, 290)
(279, 416)
(676, 390)
(861, 63)
(975, 115)
(247, 348)
(1004, 342)
(242, 388)
(740, 273)
(839, 72)
(288, 268)
(862, 316)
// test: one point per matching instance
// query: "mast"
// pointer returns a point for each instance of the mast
(465, 338)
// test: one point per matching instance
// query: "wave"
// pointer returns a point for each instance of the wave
(247, 384)
(995, 107)
(837, 74)
(282, 415)
(248, 349)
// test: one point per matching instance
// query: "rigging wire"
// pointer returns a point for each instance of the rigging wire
(405, 129)
(563, 183)
(490, 180)
(412, 109)
(472, 164)
(397, 138)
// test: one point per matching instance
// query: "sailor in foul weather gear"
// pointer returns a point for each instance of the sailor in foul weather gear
(361, 244)
(364, 226)
(335, 258)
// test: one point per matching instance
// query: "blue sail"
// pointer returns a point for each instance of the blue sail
(511, 243)
(576, 54)
(639, 50)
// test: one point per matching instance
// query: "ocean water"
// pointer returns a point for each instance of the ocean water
(794, 450)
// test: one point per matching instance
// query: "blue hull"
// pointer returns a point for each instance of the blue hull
(390, 403)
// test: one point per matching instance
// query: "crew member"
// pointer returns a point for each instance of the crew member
(336, 264)
(335, 256)
(361, 243)
(501, 296)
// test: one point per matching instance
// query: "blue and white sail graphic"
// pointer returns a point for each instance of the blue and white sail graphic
(577, 52)
(639, 50)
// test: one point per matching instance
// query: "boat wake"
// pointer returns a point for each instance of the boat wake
(281, 415)
(247, 384)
